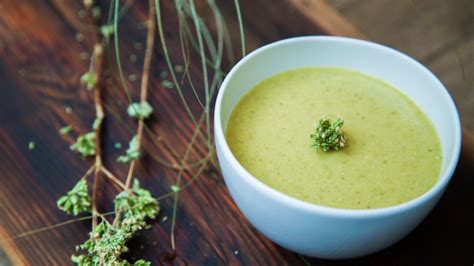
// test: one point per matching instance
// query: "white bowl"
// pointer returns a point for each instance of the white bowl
(320, 231)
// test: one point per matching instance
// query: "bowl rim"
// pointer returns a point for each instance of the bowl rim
(282, 198)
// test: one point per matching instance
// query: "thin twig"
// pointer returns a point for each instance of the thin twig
(150, 39)
(88, 172)
(47, 228)
(98, 52)
(113, 177)
(96, 67)
(178, 181)
(241, 26)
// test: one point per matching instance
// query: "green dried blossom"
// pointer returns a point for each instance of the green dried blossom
(133, 151)
(142, 263)
(85, 144)
(132, 77)
(167, 84)
(96, 12)
(133, 57)
(136, 207)
(175, 188)
(328, 135)
(96, 123)
(31, 145)
(178, 68)
(107, 30)
(141, 110)
(163, 74)
(77, 200)
(89, 79)
(107, 242)
(65, 130)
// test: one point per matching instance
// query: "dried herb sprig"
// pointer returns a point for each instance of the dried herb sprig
(107, 242)
(132, 153)
(328, 135)
(77, 200)
(141, 110)
(85, 144)
(65, 130)
(89, 79)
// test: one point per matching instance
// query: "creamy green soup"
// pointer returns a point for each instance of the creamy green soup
(393, 153)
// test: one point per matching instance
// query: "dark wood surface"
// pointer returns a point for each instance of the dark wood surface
(40, 66)
(438, 33)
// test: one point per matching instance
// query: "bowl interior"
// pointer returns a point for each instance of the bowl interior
(378, 61)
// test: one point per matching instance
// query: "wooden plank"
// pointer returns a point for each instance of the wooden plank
(329, 19)
(419, 28)
(454, 68)
(437, 32)
(468, 146)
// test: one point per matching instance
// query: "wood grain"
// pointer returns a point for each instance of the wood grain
(403, 26)
(454, 68)
(439, 33)
(40, 66)
(467, 146)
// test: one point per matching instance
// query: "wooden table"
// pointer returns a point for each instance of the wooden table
(40, 66)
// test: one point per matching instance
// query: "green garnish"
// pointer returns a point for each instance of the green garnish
(328, 135)
(132, 77)
(163, 74)
(96, 123)
(68, 109)
(65, 130)
(85, 144)
(89, 79)
(178, 68)
(77, 200)
(140, 110)
(96, 12)
(175, 188)
(31, 145)
(137, 206)
(167, 84)
(118, 145)
(107, 242)
(133, 57)
(107, 30)
(132, 152)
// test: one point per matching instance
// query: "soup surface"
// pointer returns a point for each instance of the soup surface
(393, 153)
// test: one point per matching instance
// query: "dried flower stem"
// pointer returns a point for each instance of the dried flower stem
(96, 66)
(150, 39)
(88, 172)
(112, 177)
(99, 116)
